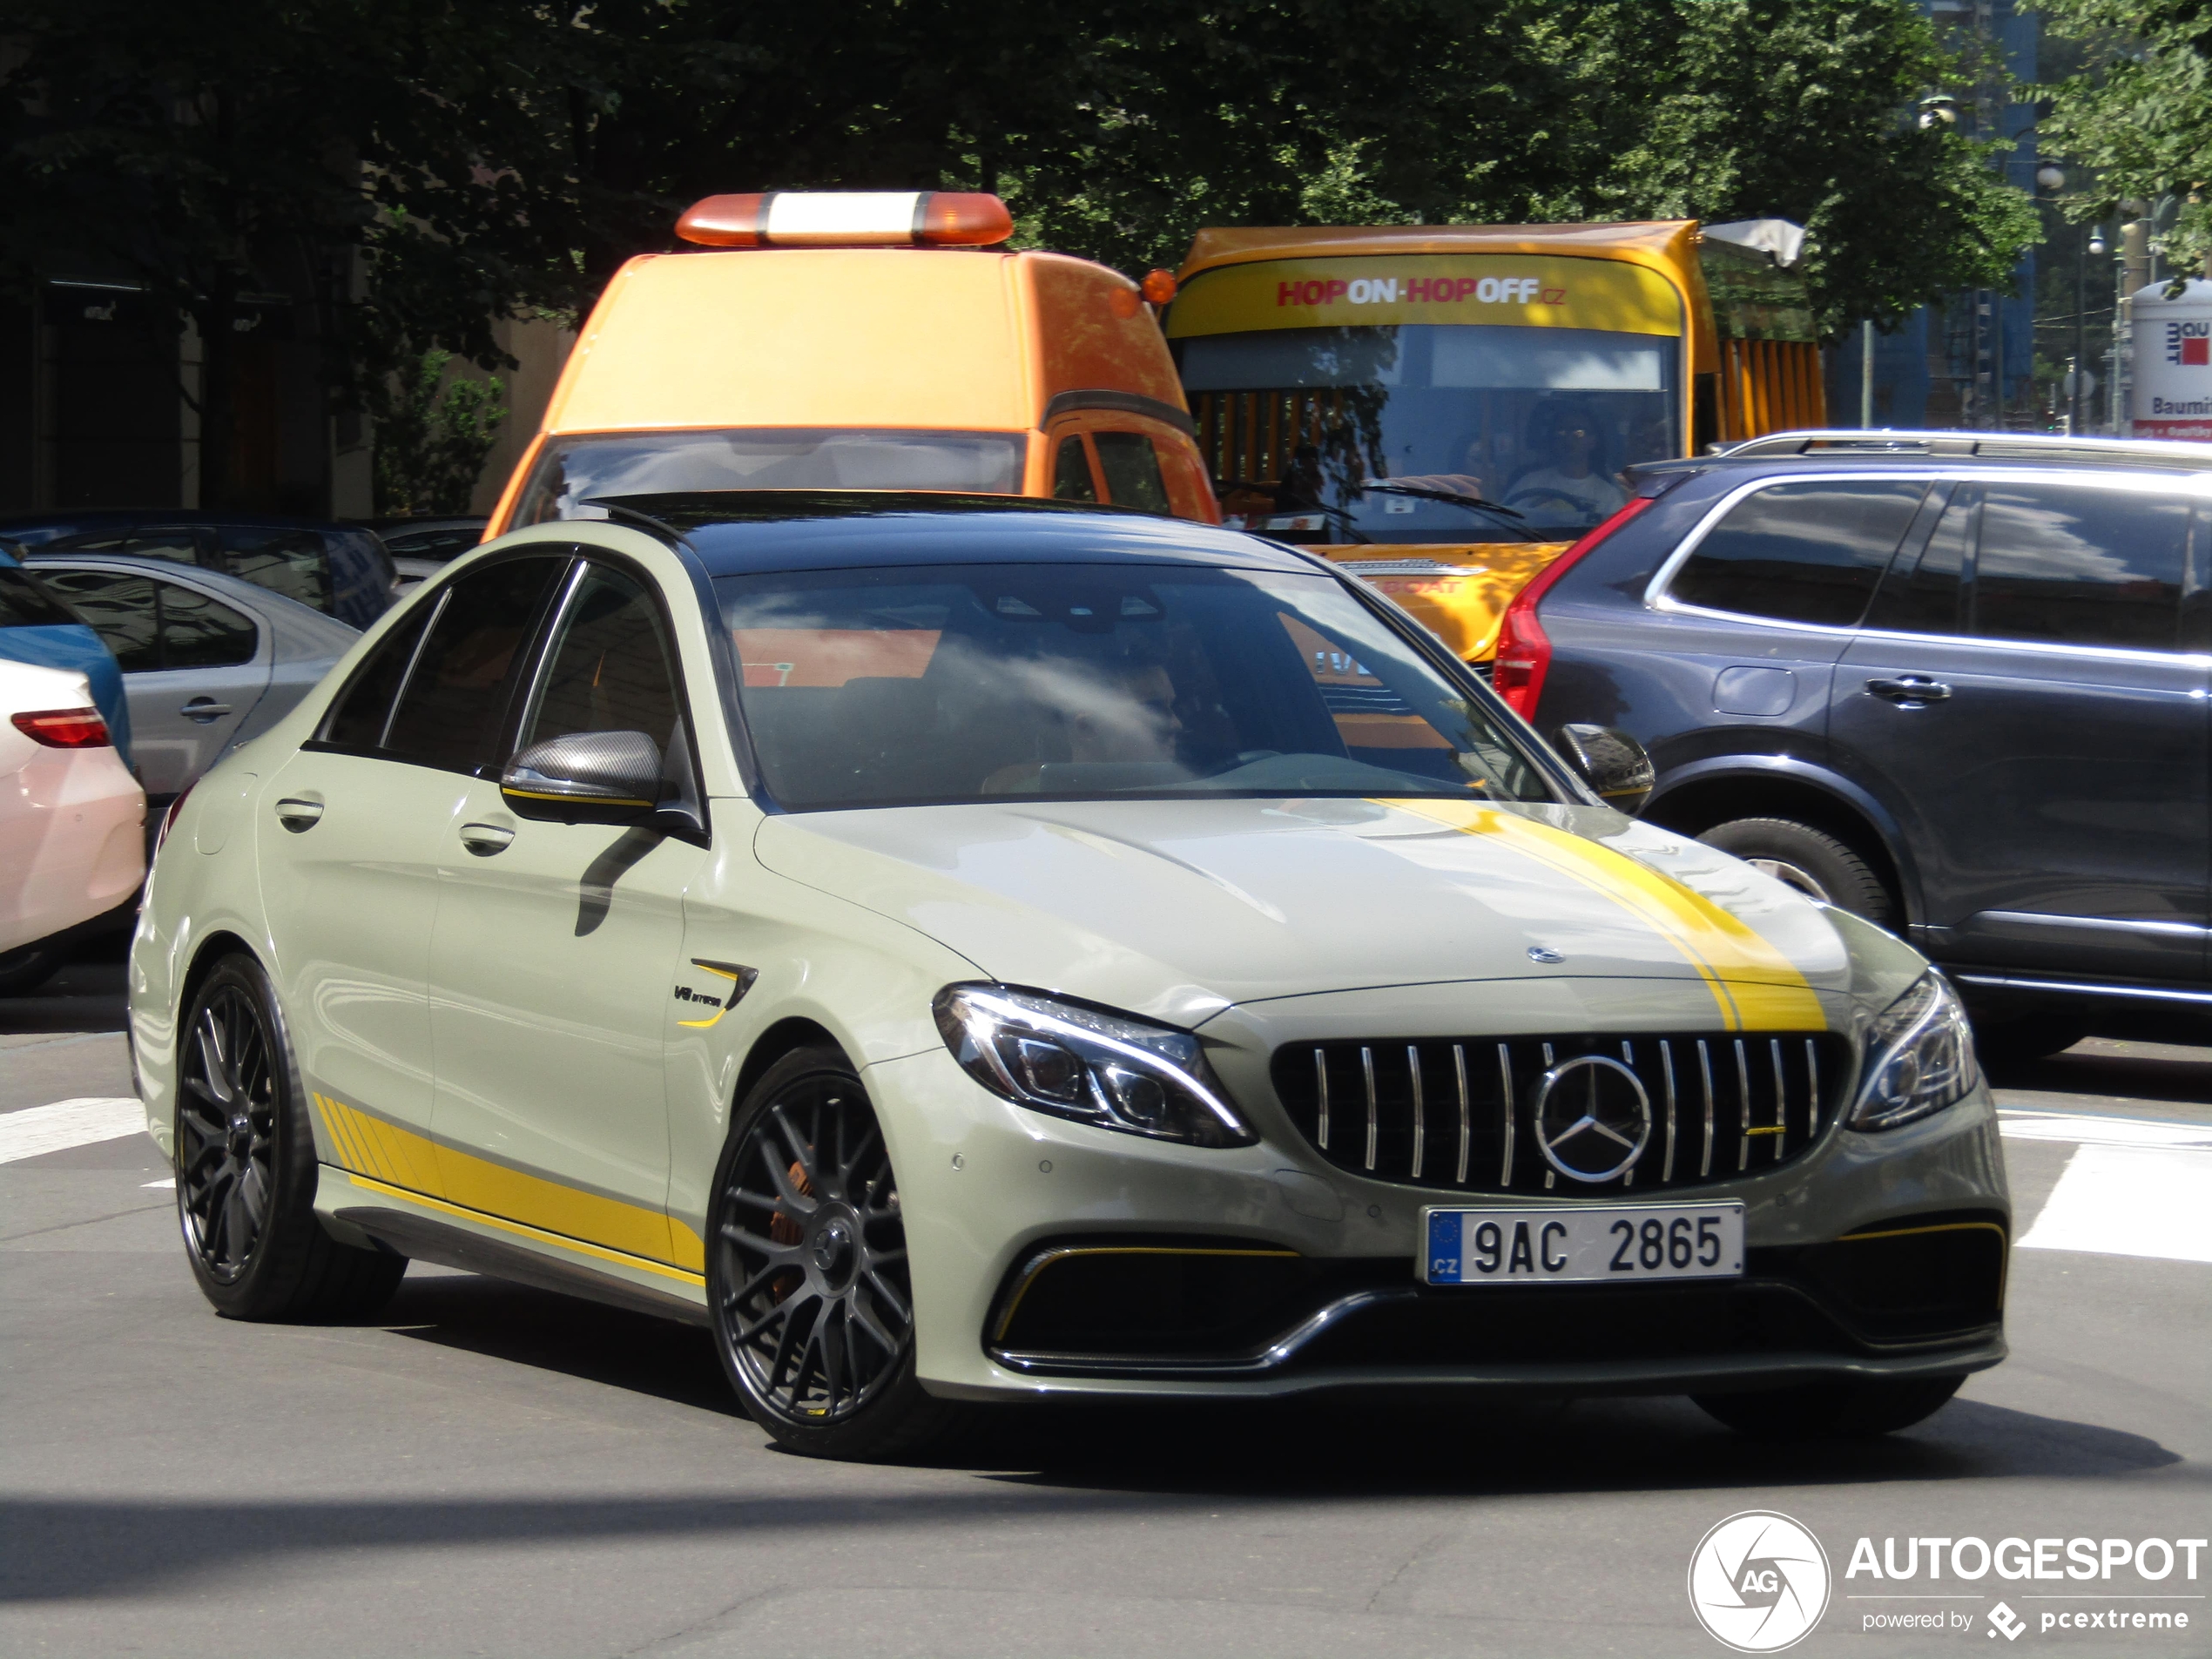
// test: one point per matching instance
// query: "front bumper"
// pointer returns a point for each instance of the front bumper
(1325, 1295)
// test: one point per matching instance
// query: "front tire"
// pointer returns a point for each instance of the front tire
(807, 1281)
(1814, 862)
(246, 1166)
(1832, 1411)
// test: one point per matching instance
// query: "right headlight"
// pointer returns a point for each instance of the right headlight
(1920, 1057)
(1073, 1061)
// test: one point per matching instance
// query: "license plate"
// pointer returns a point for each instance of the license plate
(1583, 1246)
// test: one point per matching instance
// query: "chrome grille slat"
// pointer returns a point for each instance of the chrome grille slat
(1321, 1088)
(1505, 1084)
(1482, 1144)
(1466, 1119)
(1705, 1070)
(1367, 1070)
(1421, 1123)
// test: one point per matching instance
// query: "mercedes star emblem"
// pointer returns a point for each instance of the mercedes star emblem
(1593, 1118)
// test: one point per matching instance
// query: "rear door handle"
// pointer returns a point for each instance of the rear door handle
(204, 709)
(1910, 688)
(484, 840)
(299, 816)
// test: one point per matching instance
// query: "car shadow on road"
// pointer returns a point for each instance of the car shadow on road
(1346, 1446)
(81, 997)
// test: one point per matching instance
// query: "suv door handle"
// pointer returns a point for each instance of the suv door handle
(484, 840)
(1913, 688)
(204, 709)
(299, 816)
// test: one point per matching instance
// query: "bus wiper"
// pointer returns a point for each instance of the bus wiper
(1515, 520)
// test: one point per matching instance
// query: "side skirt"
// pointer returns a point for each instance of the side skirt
(452, 1237)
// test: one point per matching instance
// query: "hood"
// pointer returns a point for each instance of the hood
(1177, 908)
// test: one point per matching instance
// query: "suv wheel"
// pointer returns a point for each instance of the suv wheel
(1812, 861)
(246, 1167)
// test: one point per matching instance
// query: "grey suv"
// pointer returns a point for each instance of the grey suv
(1958, 685)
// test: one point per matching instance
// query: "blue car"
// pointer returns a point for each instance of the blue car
(35, 627)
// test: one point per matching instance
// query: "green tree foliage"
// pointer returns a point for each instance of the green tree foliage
(432, 435)
(2141, 114)
(424, 167)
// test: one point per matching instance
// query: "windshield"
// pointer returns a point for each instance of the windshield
(1538, 420)
(575, 469)
(913, 685)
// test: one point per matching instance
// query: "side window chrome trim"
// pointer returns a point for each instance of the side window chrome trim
(407, 675)
(1656, 596)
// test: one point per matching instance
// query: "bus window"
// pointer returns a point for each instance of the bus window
(1539, 421)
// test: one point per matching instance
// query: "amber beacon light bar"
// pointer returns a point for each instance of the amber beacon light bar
(848, 218)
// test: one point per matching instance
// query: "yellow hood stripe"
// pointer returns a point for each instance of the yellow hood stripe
(1754, 985)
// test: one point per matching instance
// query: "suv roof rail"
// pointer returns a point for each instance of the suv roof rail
(2015, 446)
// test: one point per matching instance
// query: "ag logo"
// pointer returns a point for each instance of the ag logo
(1758, 1581)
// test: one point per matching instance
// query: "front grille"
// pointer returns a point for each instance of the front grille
(1460, 1114)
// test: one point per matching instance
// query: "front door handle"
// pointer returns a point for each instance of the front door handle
(299, 816)
(204, 709)
(484, 840)
(1910, 691)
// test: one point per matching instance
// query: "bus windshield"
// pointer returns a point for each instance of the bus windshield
(1539, 421)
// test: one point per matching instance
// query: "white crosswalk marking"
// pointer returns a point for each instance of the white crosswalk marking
(38, 1129)
(2130, 1201)
(2103, 1132)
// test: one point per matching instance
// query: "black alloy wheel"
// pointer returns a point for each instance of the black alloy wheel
(246, 1169)
(226, 1131)
(806, 1269)
(1814, 862)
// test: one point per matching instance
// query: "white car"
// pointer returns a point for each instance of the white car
(962, 952)
(71, 819)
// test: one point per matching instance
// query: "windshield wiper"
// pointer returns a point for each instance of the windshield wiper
(1515, 520)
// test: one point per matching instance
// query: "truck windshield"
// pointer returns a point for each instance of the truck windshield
(570, 470)
(1538, 420)
(1077, 682)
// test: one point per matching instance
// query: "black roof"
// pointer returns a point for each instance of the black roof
(738, 532)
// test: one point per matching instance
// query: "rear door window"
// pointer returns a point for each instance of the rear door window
(1131, 468)
(120, 610)
(2074, 564)
(1920, 594)
(292, 563)
(1805, 552)
(455, 704)
(24, 603)
(197, 631)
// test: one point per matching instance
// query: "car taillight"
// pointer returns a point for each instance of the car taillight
(1524, 650)
(63, 728)
(169, 818)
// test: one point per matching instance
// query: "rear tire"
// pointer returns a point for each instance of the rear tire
(246, 1166)
(806, 1276)
(1841, 1411)
(1814, 862)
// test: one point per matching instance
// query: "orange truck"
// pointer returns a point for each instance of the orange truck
(865, 341)
(1444, 409)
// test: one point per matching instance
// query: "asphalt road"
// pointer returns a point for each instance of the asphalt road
(492, 1470)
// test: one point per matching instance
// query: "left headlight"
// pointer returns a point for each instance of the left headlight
(1920, 1057)
(1096, 1068)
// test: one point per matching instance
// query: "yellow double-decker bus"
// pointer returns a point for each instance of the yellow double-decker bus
(1446, 408)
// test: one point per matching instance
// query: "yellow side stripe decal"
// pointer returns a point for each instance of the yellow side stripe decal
(538, 1234)
(1755, 987)
(369, 1145)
